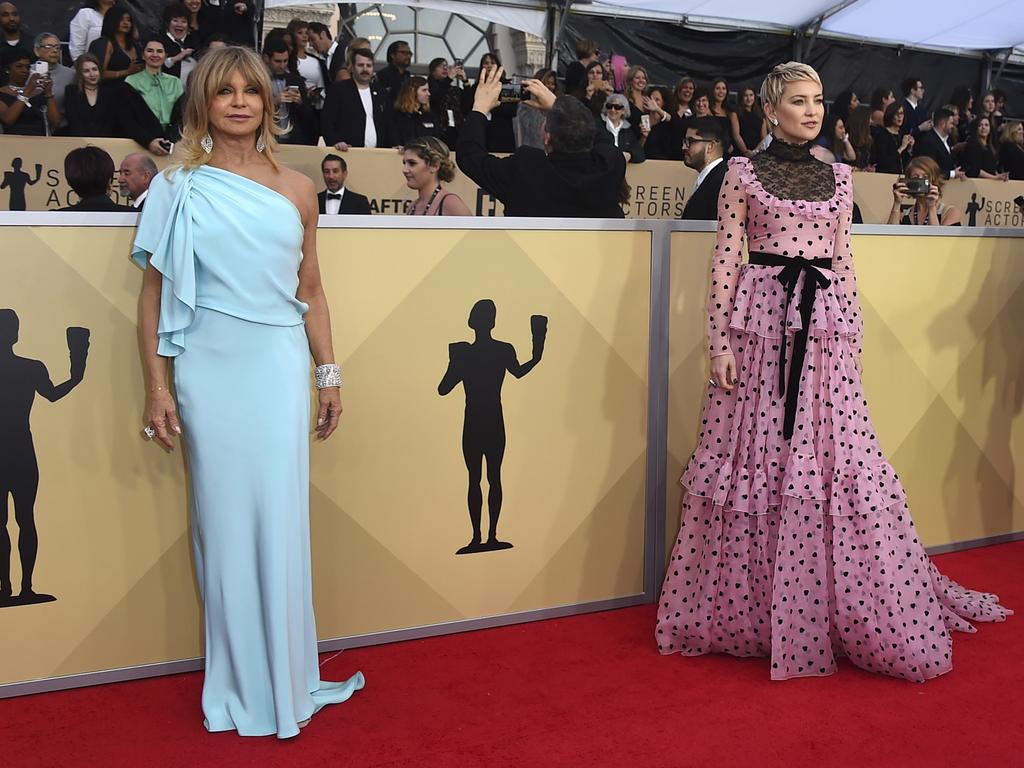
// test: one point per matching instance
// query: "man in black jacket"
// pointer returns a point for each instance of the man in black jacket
(935, 144)
(578, 175)
(294, 113)
(336, 198)
(915, 117)
(702, 151)
(354, 114)
(396, 74)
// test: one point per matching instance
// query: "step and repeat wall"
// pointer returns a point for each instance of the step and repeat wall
(943, 374)
(33, 173)
(113, 579)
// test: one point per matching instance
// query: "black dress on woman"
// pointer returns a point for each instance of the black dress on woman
(885, 151)
(750, 128)
(978, 158)
(1011, 160)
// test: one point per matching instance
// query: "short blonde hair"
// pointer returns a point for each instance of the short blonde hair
(775, 83)
(212, 72)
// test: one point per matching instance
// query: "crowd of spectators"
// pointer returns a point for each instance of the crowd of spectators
(115, 80)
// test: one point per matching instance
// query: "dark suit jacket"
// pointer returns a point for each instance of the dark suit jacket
(352, 203)
(337, 62)
(703, 204)
(912, 117)
(302, 117)
(929, 145)
(532, 183)
(343, 118)
(99, 204)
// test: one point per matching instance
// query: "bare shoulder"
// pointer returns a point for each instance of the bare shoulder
(297, 187)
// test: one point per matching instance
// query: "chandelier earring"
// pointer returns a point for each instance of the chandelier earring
(260, 143)
(773, 120)
(206, 143)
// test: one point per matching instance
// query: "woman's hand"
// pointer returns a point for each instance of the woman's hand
(907, 143)
(899, 191)
(330, 412)
(162, 416)
(723, 371)
(932, 198)
(34, 86)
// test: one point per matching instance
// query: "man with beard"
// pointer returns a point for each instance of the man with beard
(702, 151)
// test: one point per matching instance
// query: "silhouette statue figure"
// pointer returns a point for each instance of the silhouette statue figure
(973, 208)
(481, 367)
(20, 380)
(16, 179)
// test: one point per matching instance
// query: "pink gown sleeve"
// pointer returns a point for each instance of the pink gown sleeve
(842, 262)
(725, 264)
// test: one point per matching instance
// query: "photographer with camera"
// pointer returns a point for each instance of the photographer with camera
(27, 106)
(580, 173)
(923, 183)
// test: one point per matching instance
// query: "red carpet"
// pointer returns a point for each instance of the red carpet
(585, 691)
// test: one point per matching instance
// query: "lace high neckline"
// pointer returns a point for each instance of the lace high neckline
(790, 153)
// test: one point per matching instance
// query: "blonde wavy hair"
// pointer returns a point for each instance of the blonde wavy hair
(433, 151)
(213, 71)
(791, 72)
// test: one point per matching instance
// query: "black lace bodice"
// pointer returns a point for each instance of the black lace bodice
(790, 172)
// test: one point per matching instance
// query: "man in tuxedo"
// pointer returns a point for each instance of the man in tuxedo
(294, 113)
(702, 151)
(915, 118)
(134, 176)
(90, 173)
(580, 172)
(337, 199)
(331, 55)
(354, 113)
(935, 144)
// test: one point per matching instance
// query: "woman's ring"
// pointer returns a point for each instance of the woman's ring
(149, 432)
(712, 382)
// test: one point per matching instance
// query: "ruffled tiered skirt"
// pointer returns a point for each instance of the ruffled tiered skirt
(803, 550)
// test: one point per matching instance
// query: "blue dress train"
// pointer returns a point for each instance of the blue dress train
(229, 251)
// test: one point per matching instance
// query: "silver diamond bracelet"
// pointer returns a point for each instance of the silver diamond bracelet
(328, 376)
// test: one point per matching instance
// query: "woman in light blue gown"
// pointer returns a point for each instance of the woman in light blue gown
(233, 294)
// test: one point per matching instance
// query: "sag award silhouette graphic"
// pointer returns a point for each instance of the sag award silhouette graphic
(481, 367)
(973, 208)
(20, 380)
(16, 180)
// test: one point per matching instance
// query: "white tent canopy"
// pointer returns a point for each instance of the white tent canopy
(952, 25)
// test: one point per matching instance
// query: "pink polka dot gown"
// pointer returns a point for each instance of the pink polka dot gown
(799, 550)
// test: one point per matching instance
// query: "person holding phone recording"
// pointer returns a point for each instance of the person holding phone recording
(27, 106)
(923, 184)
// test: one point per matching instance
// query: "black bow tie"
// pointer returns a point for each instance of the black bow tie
(334, 195)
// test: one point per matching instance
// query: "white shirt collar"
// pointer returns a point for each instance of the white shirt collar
(137, 202)
(331, 50)
(704, 173)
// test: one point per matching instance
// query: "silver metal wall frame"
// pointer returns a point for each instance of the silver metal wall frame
(657, 413)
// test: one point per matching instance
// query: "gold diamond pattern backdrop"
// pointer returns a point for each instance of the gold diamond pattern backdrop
(388, 503)
(943, 373)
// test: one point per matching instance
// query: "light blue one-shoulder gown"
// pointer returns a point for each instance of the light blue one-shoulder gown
(229, 251)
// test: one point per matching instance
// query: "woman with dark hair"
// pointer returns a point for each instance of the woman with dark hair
(89, 172)
(680, 107)
(27, 106)
(858, 130)
(747, 124)
(412, 116)
(844, 102)
(979, 159)
(117, 47)
(310, 67)
(658, 143)
(721, 110)
(890, 152)
(595, 88)
(445, 84)
(881, 98)
(87, 26)
(203, 22)
(500, 132)
(835, 141)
